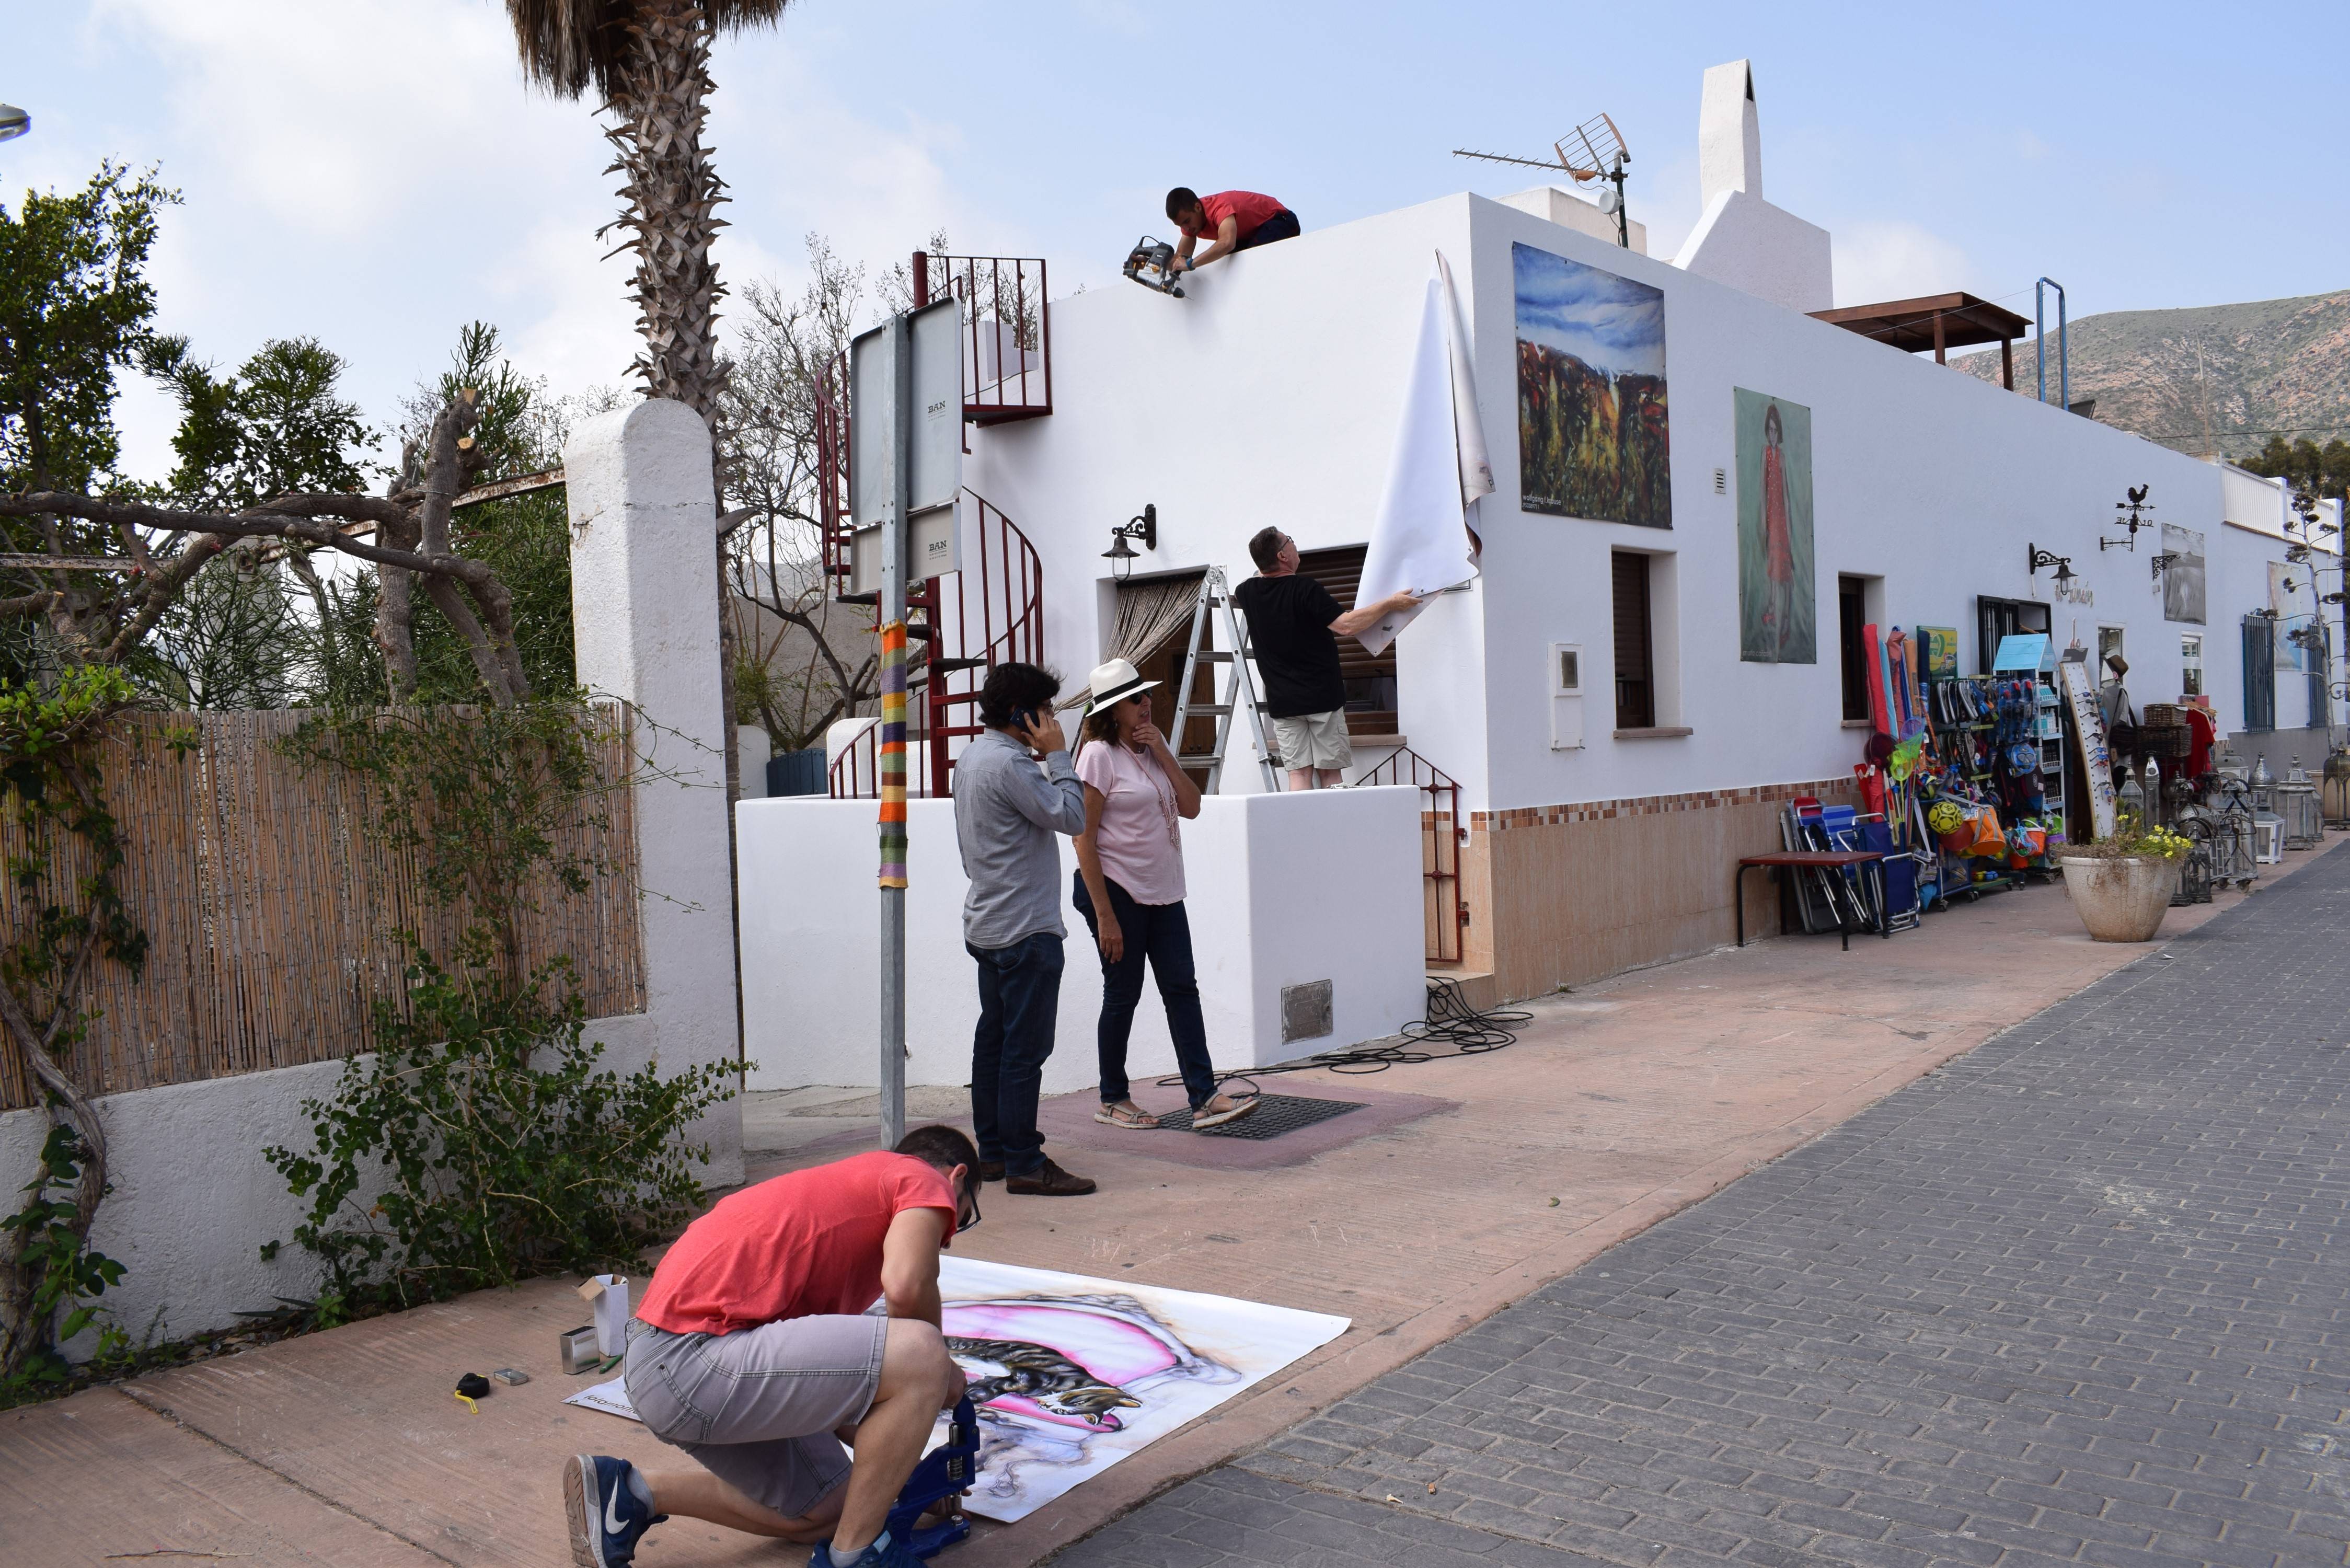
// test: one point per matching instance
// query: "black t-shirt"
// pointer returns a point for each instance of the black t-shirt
(1289, 627)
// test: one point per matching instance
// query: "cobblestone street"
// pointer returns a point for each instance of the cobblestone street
(2072, 1298)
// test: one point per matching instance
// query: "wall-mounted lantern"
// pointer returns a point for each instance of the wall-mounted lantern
(13, 122)
(2040, 557)
(1120, 553)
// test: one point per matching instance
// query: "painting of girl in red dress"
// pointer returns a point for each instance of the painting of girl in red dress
(1778, 607)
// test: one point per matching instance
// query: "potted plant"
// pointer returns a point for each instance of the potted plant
(2122, 885)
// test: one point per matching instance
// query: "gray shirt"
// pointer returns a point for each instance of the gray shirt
(1006, 812)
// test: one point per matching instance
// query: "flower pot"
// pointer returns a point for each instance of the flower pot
(2121, 901)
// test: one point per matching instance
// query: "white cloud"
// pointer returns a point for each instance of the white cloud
(1880, 259)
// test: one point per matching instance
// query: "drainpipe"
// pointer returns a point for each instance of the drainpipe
(2064, 342)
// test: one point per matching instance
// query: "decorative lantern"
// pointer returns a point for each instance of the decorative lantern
(2295, 800)
(2262, 781)
(2194, 875)
(2336, 795)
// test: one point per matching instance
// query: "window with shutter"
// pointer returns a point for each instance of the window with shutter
(2259, 672)
(1636, 691)
(1852, 613)
(1370, 677)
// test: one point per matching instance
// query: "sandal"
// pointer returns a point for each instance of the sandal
(1204, 1118)
(1126, 1114)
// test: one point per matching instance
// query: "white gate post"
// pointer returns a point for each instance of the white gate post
(644, 597)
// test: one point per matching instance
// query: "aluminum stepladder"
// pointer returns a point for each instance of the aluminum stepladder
(1239, 692)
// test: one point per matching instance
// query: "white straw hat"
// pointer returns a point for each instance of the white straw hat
(1113, 684)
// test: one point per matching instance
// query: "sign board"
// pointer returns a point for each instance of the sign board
(933, 548)
(934, 460)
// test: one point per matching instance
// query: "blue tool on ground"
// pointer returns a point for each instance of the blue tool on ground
(947, 1471)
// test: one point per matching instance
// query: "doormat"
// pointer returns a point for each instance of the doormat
(1275, 1115)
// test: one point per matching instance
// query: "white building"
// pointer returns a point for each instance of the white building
(1271, 394)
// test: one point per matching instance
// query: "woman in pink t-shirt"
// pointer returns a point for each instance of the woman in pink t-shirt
(1130, 890)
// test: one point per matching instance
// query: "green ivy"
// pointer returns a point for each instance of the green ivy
(67, 913)
(67, 1274)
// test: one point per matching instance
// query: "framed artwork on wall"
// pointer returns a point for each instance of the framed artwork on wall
(1593, 438)
(2182, 582)
(1778, 595)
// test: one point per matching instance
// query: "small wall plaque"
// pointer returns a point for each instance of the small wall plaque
(1305, 1011)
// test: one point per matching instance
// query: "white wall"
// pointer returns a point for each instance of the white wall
(1282, 890)
(1271, 394)
(193, 1200)
(1929, 479)
(644, 592)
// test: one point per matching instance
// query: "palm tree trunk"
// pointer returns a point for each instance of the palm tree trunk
(671, 195)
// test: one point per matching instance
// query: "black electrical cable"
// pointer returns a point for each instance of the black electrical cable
(1450, 1021)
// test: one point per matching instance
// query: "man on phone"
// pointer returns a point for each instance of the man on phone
(1006, 812)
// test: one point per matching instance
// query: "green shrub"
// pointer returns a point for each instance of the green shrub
(504, 1149)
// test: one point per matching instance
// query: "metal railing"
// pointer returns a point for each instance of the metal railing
(856, 773)
(978, 620)
(1440, 846)
(1007, 331)
(966, 622)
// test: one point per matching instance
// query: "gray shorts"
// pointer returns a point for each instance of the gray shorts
(757, 1408)
(1314, 741)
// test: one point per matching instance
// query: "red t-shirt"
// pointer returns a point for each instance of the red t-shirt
(807, 1244)
(1249, 208)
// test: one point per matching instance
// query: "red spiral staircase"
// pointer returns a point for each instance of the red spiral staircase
(970, 620)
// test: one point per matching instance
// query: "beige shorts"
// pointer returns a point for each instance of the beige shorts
(1314, 741)
(757, 1408)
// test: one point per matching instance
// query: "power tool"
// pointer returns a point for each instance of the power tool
(1152, 264)
(947, 1471)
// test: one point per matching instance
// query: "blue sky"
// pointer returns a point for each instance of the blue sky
(374, 173)
(1610, 323)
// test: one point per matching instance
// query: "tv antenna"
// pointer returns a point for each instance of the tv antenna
(1591, 151)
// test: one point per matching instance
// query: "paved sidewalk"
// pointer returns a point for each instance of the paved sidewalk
(1467, 1185)
(2076, 1297)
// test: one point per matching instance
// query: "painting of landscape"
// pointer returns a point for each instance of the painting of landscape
(1592, 436)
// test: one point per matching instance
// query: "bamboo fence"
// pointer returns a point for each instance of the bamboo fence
(274, 919)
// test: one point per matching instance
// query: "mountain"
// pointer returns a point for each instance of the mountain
(2214, 380)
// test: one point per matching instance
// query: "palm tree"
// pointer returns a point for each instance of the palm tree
(649, 60)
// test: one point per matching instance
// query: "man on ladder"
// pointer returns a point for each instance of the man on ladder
(1294, 629)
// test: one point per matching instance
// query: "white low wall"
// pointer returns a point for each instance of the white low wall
(1284, 889)
(193, 1202)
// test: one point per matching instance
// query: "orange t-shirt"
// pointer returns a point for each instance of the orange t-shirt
(807, 1244)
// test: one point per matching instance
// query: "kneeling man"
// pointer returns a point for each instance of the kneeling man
(754, 1353)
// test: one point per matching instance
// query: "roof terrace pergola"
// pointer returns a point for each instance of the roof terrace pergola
(1938, 321)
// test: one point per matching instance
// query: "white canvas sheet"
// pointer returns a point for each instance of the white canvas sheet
(1079, 1372)
(1420, 539)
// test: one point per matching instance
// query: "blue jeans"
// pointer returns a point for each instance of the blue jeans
(1281, 225)
(1019, 997)
(1161, 933)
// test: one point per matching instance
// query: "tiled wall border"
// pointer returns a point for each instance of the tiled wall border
(1654, 804)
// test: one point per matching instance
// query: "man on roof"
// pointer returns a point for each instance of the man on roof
(1232, 221)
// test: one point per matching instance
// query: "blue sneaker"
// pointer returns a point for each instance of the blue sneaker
(607, 1518)
(887, 1551)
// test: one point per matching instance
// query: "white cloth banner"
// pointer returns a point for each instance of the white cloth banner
(1420, 539)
